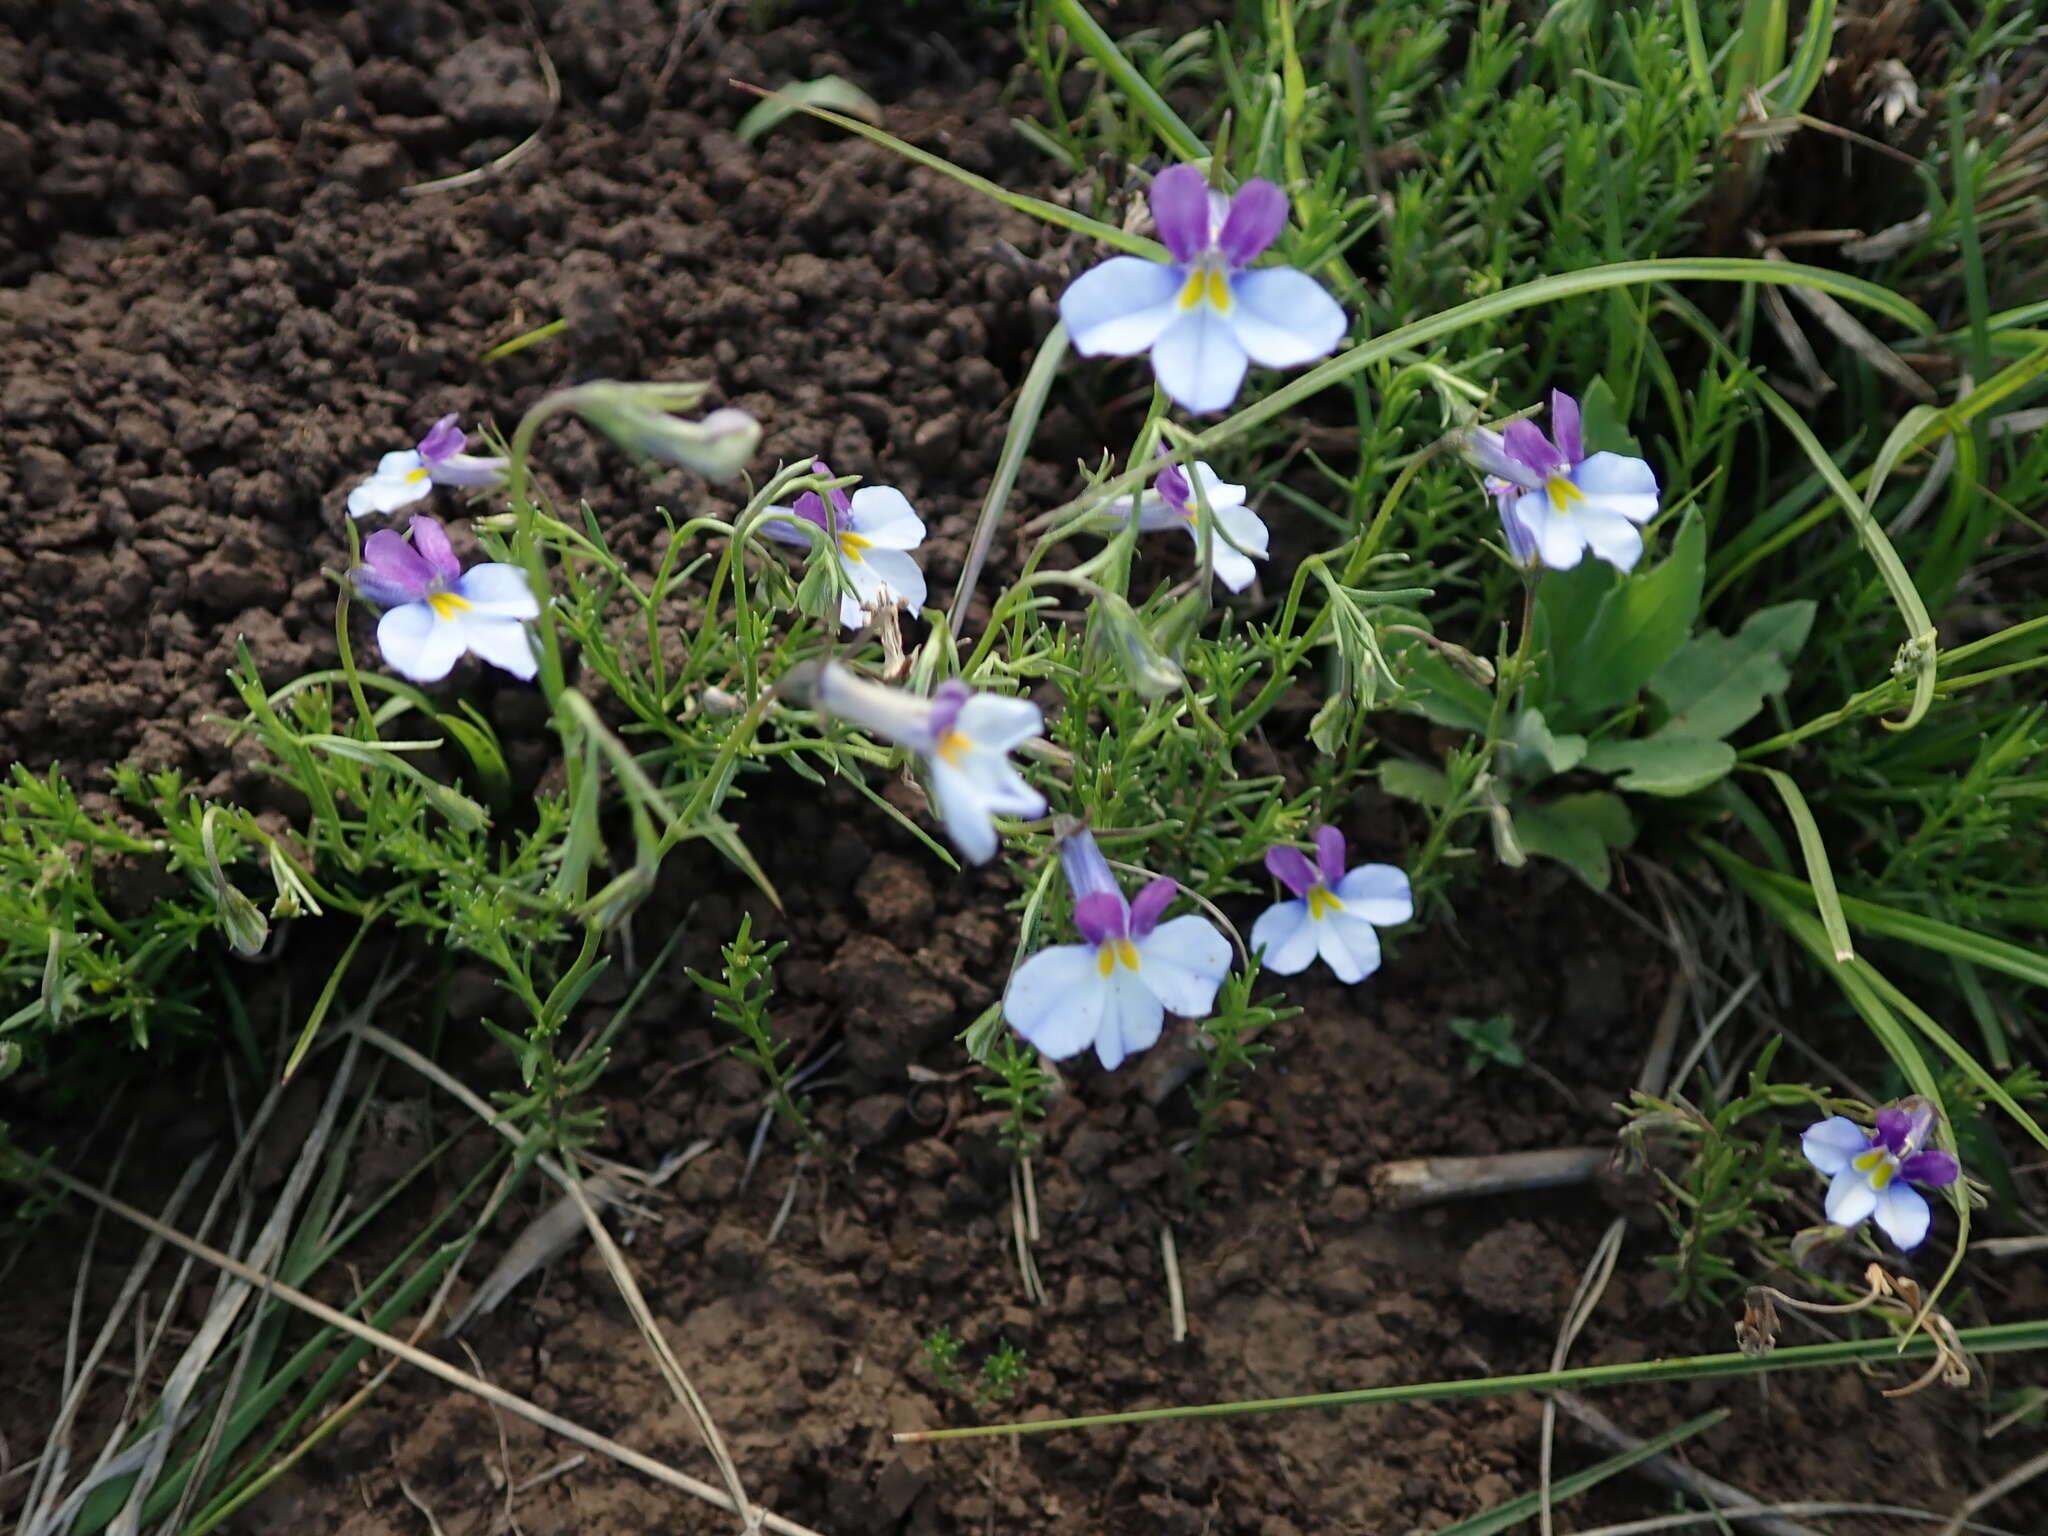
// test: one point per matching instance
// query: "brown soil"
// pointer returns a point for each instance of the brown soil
(220, 308)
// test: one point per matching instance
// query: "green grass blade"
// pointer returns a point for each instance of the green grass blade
(1802, 76)
(1813, 851)
(1516, 1511)
(1136, 89)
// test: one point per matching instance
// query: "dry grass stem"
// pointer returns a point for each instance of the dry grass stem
(1419, 1181)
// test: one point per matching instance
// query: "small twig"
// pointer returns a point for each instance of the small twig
(2018, 1477)
(1020, 1234)
(796, 1175)
(1418, 1181)
(1592, 1286)
(1176, 1299)
(548, 1474)
(420, 1504)
(525, 146)
(1728, 1501)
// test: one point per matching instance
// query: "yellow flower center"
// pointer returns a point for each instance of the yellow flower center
(1321, 901)
(1563, 494)
(952, 747)
(1877, 1165)
(851, 544)
(1112, 951)
(1206, 285)
(446, 604)
(415, 476)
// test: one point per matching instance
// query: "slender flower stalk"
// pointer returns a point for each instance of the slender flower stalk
(1114, 989)
(1206, 315)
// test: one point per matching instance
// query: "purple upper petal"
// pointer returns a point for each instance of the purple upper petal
(1564, 426)
(1102, 916)
(444, 439)
(380, 590)
(1172, 486)
(1527, 446)
(1330, 854)
(1937, 1170)
(947, 700)
(1290, 866)
(396, 566)
(1180, 210)
(1257, 215)
(1894, 1127)
(430, 539)
(1150, 904)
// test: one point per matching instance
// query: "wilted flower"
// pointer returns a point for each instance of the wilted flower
(435, 611)
(963, 740)
(1115, 988)
(872, 530)
(1872, 1172)
(1202, 315)
(1556, 501)
(1237, 539)
(1335, 913)
(409, 474)
(641, 418)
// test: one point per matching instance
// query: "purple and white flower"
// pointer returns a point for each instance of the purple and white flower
(1235, 541)
(872, 532)
(1872, 1173)
(434, 611)
(410, 474)
(961, 738)
(1114, 989)
(1556, 500)
(1335, 912)
(1203, 315)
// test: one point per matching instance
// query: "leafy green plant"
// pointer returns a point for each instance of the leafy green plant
(740, 999)
(1492, 1041)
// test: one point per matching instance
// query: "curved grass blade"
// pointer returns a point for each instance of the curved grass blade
(1814, 852)
(1136, 89)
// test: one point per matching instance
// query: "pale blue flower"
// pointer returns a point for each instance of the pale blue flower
(1335, 913)
(1238, 538)
(961, 738)
(1556, 500)
(410, 474)
(435, 611)
(1114, 989)
(1204, 315)
(1872, 1173)
(872, 532)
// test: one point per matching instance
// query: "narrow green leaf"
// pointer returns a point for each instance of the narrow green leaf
(1820, 874)
(833, 91)
(1134, 87)
(1518, 1511)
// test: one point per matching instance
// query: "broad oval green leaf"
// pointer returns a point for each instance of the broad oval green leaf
(1664, 764)
(1716, 683)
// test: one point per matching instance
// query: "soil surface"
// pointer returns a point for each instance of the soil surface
(218, 304)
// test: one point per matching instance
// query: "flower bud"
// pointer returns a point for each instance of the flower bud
(1117, 632)
(640, 419)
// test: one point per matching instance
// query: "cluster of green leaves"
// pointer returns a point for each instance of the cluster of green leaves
(739, 1000)
(996, 1382)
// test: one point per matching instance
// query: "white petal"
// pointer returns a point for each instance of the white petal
(1379, 893)
(1198, 361)
(1903, 1215)
(1609, 535)
(1234, 566)
(1627, 486)
(1121, 307)
(998, 722)
(417, 645)
(393, 485)
(890, 571)
(1234, 570)
(881, 515)
(1182, 962)
(1850, 1198)
(502, 591)
(965, 811)
(1832, 1144)
(1155, 512)
(1131, 1021)
(1349, 945)
(998, 784)
(1220, 495)
(892, 713)
(1283, 318)
(504, 643)
(1288, 935)
(1056, 1000)
(1558, 539)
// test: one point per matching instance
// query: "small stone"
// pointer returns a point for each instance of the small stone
(871, 1121)
(1517, 1271)
(491, 87)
